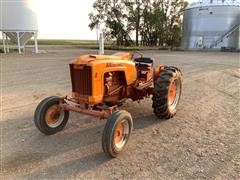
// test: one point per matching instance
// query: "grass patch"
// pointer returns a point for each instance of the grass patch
(93, 44)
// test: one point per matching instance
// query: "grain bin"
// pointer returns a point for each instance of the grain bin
(212, 24)
(18, 23)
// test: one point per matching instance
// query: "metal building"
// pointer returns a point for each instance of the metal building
(18, 23)
(212, 24)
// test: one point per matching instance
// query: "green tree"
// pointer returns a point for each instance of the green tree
(171, 18)
(111, 14)
(134, 10)
(155, 22)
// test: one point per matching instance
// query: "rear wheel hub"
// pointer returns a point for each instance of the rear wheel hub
(172, 92)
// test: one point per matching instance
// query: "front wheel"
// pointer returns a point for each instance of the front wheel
(49, 118)
(167, 92)
(116, 133)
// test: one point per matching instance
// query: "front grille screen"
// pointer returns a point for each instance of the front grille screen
(81, 77)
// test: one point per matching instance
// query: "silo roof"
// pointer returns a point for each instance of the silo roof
(204, 3)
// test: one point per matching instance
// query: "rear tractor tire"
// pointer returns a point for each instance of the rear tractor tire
(167, 93)
(116, 133)
(49, 118)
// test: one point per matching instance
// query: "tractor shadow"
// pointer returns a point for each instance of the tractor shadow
(145, 121)
(74, 150)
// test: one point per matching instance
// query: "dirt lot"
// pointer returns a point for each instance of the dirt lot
(201, 142)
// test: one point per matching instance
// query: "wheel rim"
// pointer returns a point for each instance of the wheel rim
(54, 116)
(121, 134)
(174, 94)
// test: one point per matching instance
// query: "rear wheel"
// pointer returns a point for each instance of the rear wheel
(116, 133)
(49, 118)
(167, 92)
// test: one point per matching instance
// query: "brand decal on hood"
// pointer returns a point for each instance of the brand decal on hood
(113, 65)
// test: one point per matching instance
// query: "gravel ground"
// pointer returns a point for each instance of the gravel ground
(201, 142)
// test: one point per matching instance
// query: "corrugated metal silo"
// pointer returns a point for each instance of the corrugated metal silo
(17, 22)
(212, 24)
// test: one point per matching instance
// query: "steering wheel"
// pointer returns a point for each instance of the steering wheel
(136, 54)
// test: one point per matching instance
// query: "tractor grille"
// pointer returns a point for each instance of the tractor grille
(81, 77)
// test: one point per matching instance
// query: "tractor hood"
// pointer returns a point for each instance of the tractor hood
(86, 59)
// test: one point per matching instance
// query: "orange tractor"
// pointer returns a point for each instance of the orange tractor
(100, 84)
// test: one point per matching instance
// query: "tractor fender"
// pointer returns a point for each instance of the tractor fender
(157, 71)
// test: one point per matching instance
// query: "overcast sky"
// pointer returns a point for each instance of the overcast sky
(64, 19)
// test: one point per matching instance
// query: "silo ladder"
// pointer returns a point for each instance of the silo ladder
(219, 40)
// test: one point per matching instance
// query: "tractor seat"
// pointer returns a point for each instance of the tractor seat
(144, 62)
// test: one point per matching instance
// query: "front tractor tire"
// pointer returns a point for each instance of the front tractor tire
(116, 133)
(49, 118)
(167, 93)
